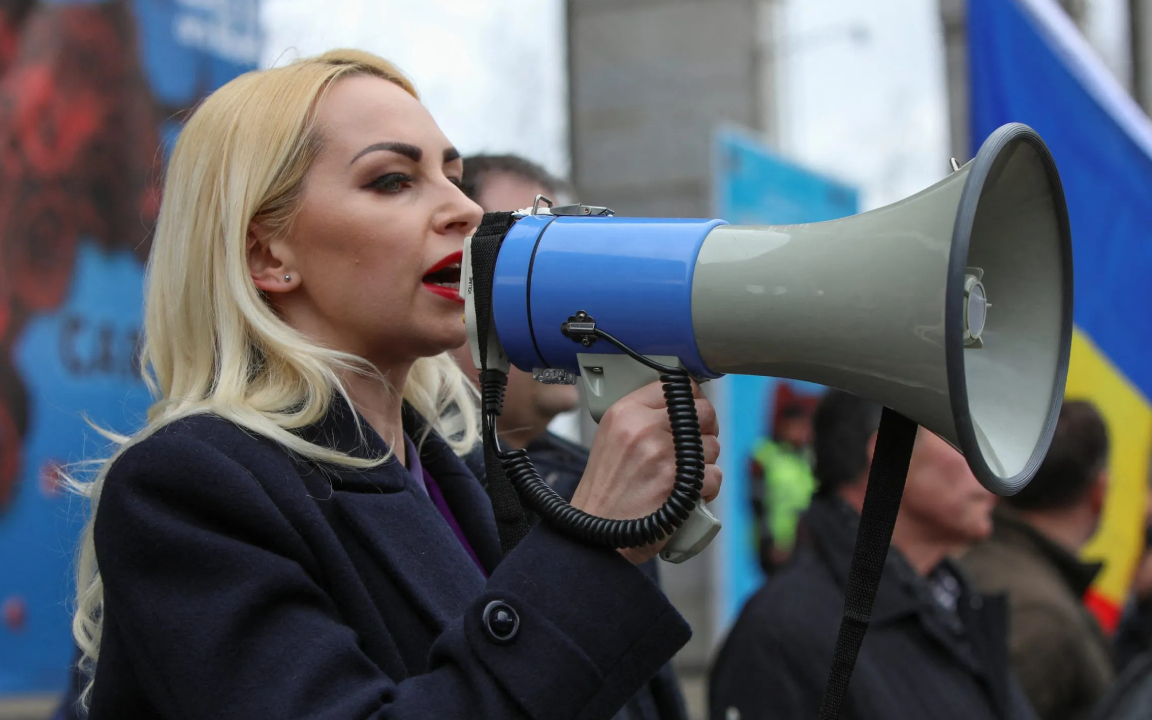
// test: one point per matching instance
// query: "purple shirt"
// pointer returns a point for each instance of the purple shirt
(425, 480)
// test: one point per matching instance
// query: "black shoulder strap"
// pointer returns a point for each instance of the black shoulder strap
(511, 523)
(886, 479)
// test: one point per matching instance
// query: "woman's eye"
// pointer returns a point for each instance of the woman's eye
(390, 183)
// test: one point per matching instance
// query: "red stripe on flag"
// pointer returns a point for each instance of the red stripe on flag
(1107, 613)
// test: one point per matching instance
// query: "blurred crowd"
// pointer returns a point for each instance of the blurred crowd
(982, 611)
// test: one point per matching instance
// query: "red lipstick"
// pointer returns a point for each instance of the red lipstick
(444, 277)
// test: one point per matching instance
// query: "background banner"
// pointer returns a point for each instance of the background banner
(91, 95)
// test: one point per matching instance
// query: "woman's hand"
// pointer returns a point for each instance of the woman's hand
(632, 466)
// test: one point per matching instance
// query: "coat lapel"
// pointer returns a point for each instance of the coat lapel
(396, 522)
(466, 498)
(409, 539)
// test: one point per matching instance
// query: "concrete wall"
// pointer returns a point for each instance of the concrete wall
(649, 80)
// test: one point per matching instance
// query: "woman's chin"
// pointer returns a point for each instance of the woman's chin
(450, 336)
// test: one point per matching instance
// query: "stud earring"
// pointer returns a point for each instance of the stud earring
(287, 278)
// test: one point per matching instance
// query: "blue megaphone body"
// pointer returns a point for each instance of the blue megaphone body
(633, 275)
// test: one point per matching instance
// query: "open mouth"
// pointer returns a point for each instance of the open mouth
(444, 278)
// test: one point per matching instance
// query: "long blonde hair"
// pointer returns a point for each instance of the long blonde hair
(212, 344)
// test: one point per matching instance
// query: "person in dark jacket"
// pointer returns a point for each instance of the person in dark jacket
(293, 535)
(935, 650)
(506, 183)
(1060, 654)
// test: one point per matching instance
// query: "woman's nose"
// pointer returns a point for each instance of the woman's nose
(462, 215)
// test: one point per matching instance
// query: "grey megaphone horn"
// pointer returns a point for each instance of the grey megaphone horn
(953, 307)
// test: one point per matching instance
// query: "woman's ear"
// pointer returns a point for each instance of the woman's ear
(270, 260)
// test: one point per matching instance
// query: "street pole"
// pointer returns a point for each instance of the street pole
(1140, 24)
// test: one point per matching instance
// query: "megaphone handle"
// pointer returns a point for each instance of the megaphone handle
(607, 379)
(693, 536)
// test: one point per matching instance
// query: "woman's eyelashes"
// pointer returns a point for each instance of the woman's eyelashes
(391, 183)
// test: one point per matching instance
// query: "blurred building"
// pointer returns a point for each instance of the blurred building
(649, 81)
(1140, 17)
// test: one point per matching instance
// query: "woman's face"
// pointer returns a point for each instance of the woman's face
(373, 254)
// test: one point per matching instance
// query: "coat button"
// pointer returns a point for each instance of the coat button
(501, 621)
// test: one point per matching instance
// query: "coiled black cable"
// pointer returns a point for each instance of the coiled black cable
(558, 512)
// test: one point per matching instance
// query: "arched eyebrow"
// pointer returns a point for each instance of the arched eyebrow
(411, 152)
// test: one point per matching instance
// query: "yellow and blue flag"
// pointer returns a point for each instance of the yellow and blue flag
(1028, 63)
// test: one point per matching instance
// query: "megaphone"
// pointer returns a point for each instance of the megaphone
(952, 307)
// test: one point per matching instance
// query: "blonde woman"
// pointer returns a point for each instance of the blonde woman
(292, 535)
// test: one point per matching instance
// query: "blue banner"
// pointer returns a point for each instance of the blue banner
(91, 93)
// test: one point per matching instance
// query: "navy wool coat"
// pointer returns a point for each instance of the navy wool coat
(243, 582)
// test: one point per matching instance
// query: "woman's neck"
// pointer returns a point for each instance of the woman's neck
(381, 404)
